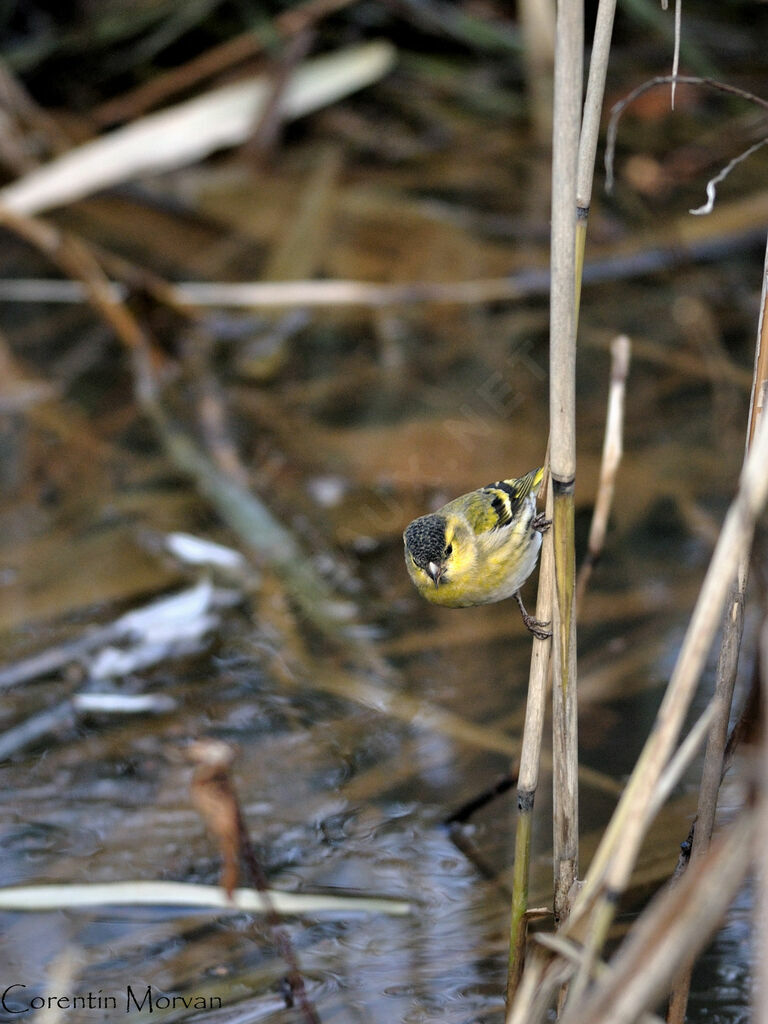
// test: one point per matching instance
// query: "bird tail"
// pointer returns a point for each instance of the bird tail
(520, 488)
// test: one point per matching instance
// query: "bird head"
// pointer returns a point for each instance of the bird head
(428, 550)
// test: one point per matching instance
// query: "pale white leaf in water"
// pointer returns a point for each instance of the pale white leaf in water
(197, 551)
(123, 703)
(167, 611)
(194, 897)
(115, 662)
(188, 132)
(163, 632)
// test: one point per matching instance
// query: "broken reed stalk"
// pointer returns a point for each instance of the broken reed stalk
(614, 860)
(530, 757)
(612, 452)
(213, 794)
(569, 46)
(727, 663)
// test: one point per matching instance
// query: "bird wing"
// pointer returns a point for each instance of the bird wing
(502, 500)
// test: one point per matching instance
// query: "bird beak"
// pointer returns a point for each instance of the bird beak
(435, 572)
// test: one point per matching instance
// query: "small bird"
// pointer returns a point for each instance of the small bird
(479, 548)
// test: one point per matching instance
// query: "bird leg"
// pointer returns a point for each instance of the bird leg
(540, 523)
(533, 625)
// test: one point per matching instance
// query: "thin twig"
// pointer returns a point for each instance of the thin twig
(593, 102)
(676, 54)
(612, 452)
(618, 109)
(269, 122)
(722, 175)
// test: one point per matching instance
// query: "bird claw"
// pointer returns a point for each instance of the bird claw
(540, 523)
(537, 627)
(532, 624)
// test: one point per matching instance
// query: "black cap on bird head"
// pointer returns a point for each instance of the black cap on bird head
(425, 539)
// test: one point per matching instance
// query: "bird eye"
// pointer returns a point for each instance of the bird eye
(449, 549)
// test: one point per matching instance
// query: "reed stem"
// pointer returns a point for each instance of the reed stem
(530, 756)
(569, 44)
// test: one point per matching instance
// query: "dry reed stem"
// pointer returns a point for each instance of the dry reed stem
(593, 102)
(682, 758)
(542, 977)
(760, 376)
(278, 294)
(530, 757)
(590, 128)
(572, 951)
(612, 453)
(676, 54)
(612, 865)
(727, 664)
(192, 130)
(569, 44)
